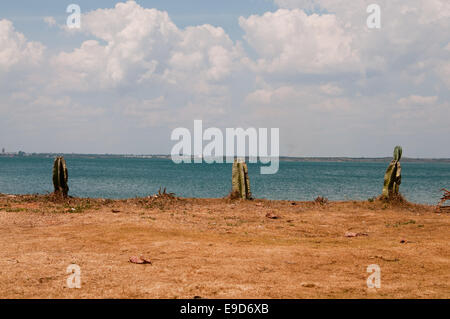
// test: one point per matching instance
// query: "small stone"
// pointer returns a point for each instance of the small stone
(272, 216)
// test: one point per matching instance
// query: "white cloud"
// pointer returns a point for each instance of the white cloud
(417, 100)
(145, 45)
(203, 56)
(290, 41)
(430, 11)
(136, 40)
(15, 50)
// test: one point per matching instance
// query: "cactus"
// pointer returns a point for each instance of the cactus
(60, 176)
(393, 176)
(240, 180)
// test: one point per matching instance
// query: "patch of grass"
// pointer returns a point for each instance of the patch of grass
(13, 210)
(402, 223)
(78, 208)
(148, 217)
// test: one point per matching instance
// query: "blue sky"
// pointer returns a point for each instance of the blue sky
(28, 15)
(312, 68)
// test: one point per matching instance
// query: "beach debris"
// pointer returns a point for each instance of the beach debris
(60, 177)
(43, 280)
(161, 199)
(404, 241)
(321, 200)
(351, 234)
(115, 211)
(272, 216)
(240, 180)
(385, 258)
(393, 176)
(445, 197)
(163, 194)
(140, 260)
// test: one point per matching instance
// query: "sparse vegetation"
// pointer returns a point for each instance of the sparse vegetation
(393, 176)
(397, 224)
(240, 181)
(445, 197)
(60, 177)
(321, 200)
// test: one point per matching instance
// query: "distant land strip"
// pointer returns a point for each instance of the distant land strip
(282, 158)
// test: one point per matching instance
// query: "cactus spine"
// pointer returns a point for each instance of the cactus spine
(393, 176)
(60, 176)
(240, 180)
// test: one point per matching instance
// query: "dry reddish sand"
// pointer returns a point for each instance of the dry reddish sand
(218, 248)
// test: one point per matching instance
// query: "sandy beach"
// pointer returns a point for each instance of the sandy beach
(219, 248)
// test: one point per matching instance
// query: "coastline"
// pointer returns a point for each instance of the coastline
(325, 159)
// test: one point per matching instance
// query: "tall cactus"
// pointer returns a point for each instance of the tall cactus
(60, 176)
(240, 180)
(393, 176)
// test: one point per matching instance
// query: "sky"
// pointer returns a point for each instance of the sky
(136, 70)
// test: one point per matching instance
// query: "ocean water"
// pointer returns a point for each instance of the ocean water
(131, 177)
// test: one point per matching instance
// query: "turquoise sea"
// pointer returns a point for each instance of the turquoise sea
(131, 177)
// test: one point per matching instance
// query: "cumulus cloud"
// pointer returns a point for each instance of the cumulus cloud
(292, 41)
(145, 45)
(136, 39)
(15, 50)
(403, 39)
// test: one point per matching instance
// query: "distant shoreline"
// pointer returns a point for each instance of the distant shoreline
(282, 158)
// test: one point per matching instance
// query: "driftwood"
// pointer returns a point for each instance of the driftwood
(444, 198)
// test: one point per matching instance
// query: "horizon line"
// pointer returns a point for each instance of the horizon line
(169, 155)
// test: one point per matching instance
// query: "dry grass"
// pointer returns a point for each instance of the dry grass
(220, 248)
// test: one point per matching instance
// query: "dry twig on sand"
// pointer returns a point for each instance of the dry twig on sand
(164, 194)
